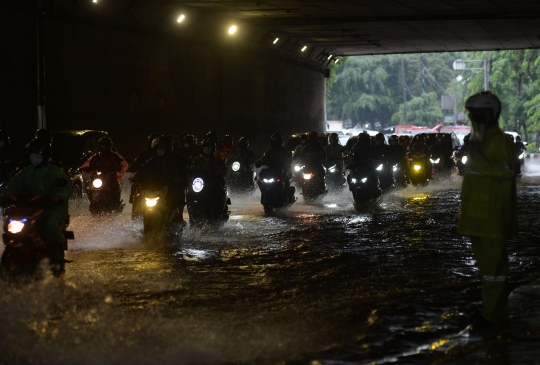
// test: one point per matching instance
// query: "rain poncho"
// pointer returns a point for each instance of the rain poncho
(488, 199)
(49, 180)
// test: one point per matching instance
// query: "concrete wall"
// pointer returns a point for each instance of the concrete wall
(134, 84)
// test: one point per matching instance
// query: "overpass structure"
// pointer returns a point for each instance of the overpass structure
(133, 67)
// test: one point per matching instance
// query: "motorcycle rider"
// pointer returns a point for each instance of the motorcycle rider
(243, 151)
(139, 161)
(443, 149)
(165, 169)
(462, 151)
(107, 160)
(208, 161)
(488, 213)
(46, 135)
(279, 159)
(405, 142)
(228, 145)
(219, 150)
(420, 148)
(300, 147)
(334, 151)
(361, 150)
(520, 148)
(41, 177)
(189, 149)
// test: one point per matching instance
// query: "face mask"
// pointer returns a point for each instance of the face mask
(1, 144)
(160, 152)
(36, 159)
(208, 151)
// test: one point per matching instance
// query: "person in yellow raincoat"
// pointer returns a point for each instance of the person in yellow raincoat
(488, 211)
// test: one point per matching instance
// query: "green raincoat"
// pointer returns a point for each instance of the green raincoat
(47, 180)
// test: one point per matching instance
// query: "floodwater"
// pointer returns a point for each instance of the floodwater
(312, 284)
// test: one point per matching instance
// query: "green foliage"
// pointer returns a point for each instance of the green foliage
(422, 110)
(369, 89)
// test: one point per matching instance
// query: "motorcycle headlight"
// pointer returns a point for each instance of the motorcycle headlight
(97, 183)
(380, 167)
(332, 169)
(395, 168)
(151, 202)
(198, 184)
(353, 181)
(297, 168)
(236, 166)
(364, 180)
(435, 161)
(522, 155)
(464, 160)
(417, 167)
(306, 176)
(268, 180)
(15, 226)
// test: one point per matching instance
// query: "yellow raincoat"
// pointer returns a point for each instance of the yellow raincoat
(488, 198)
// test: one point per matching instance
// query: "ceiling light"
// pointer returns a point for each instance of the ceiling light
(459, 78)
(304, 48)
(181, 18)
(275, 41)
(94, 1)
(337, 60)
(329, 56)
(232, 29)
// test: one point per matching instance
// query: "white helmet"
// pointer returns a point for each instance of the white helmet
(482, 102)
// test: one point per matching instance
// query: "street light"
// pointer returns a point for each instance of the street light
(460, 65)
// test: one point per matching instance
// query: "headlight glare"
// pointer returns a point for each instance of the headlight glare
(417, 167)
(198, 184)
(151, 202)
(97, 183)
(464, 160)
(236, 166)
(307, 176)
(15, 226)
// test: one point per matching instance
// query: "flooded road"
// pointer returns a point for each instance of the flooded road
(313, 284)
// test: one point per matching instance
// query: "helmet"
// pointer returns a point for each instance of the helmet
(363, 138)
(105, 144)
(404, 139)
(484, 107)
(213, 137)
(379, 139)
(313, 136)
(4, 136)
(208, 147)
(188, 138)
(276, 140)
(163, 143)
(243, 142)
(393, 140)
(439, 137)
(39, 146)
(44, 135)
(518, 138)
(152, 137)
(467, 139)
(333, 137)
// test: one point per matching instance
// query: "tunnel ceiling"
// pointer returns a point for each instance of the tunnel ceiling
(348, 27)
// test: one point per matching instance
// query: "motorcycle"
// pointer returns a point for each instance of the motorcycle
(441, 163)
(274, 194)
(207, 199)
(364, 182)
(312, 181)
(158, 212)
(104, 193)
(460, 159)
(399, 174)
(240, 176)
(418, 171)
(24, 240)
(385, 173)
(334, 176)
(136, 199)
